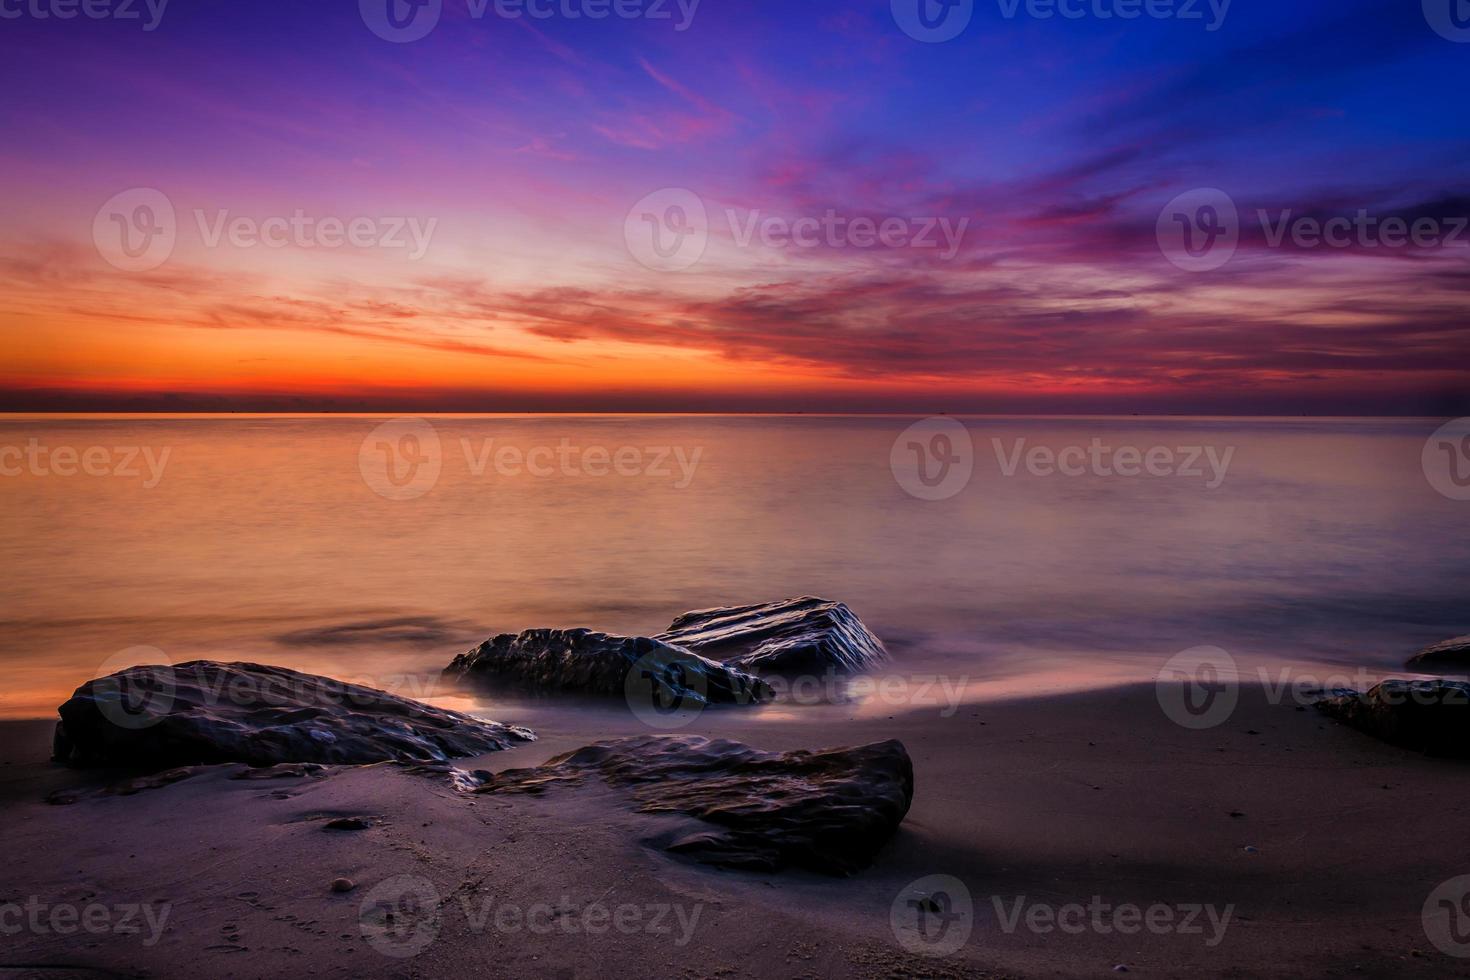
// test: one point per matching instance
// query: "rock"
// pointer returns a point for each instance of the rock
(205, 712)
(581, 660)
(1432, 717)
(827, 811)
(1447, 655)
(805, 635)
(347, 823)
(340, 885)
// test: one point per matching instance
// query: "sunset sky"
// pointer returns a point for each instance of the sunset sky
(526, 143)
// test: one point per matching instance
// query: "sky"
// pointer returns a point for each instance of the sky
(987, 205)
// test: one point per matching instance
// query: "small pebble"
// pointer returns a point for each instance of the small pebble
(1251, 850)
(1120, 968)
(343, 885)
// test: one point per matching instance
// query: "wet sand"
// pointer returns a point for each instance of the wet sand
(1320, 843)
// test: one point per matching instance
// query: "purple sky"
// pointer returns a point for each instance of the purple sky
(869, 222)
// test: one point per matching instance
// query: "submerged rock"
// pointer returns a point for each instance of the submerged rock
(204, 712)
(1449, 654)
(581, 660)
(1432, 717)
(827, 811)
(805, 635)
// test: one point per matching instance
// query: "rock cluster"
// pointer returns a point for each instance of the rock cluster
(1432, 717)
(1451, 654)
(805, 635)
(828, 811)
(581, 660)
(203, 712)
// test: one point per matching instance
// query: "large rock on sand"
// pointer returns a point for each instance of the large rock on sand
(1432, 717)
(203, 712)
(827, 811)
(1449, 655)
(793, 636)
(581, 660)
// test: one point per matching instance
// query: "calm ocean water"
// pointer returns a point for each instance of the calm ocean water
(345, 546)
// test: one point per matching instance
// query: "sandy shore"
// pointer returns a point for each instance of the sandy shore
(1320, 844)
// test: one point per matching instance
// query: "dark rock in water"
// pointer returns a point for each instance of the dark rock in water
(1432, 717)
(581, 660)
(1450, 654)
(826, 811)
(805, 635)
(205, 712)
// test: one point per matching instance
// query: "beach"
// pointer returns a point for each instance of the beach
(1277, 842)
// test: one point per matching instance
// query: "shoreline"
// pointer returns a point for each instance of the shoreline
(1045, 802)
